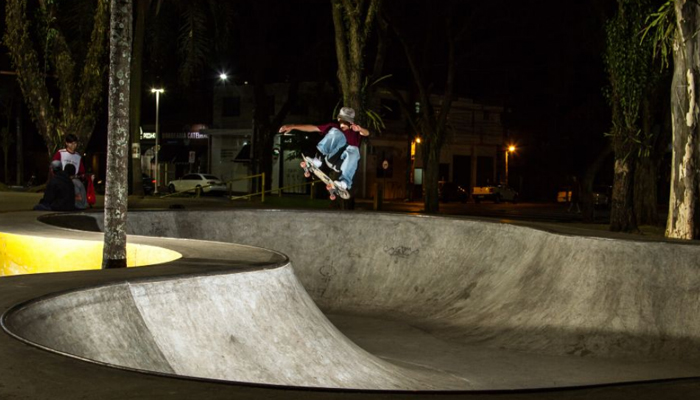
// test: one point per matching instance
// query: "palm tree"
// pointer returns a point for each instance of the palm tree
(116, 193)
(61, 54)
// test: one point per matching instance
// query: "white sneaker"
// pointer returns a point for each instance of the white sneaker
(316, 162)
(341, 185)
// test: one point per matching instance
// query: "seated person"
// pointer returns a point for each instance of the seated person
(60, 191)
(80, 193)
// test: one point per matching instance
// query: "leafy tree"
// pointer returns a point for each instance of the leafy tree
(60, 52)
(431, 120)
(673, 31)
(116, 192)
(353, 21)
(630, 70)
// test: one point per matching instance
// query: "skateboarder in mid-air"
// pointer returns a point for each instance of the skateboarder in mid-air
(339, 146)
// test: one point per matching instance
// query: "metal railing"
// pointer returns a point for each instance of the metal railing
(279, 191)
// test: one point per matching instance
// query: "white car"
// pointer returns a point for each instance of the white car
(205, 182)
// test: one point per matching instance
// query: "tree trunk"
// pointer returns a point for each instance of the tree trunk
(142, 8)
(116, 192)
(352, 22)
(6, 151)
(431, 178)
(645, 197)
(20, 146)
(683, 219)
(622, 218)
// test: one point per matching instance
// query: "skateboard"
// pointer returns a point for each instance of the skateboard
(331, 186)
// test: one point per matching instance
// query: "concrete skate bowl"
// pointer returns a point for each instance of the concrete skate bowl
(384, 302)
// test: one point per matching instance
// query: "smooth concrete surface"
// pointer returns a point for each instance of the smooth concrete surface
(255, 326)
(19, 255)
(494, 284)
(492, 307)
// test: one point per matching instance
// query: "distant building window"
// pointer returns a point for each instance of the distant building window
(390, 109)
(231, 107)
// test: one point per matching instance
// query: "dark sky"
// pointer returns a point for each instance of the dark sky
(538, 59)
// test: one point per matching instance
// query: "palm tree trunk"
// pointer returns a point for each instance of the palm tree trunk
(645, 191)
(116, 192)
(431, 178)
(683, 219)
(622, 218)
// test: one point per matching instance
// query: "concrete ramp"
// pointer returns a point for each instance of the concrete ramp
(471, 281)
(581, 310)
(257, 327)
(391, 302)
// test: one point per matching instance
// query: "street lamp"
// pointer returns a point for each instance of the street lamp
(510, 149)
(157, 92)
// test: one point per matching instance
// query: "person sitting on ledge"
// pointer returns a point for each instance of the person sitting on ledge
(60, 191)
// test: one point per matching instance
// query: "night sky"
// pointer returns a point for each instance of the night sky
(539, 60)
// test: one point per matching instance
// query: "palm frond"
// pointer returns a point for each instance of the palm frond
(193, 42)
(660, 29)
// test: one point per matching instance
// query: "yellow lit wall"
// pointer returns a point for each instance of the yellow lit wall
(20, 254)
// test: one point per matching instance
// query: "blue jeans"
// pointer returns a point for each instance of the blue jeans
(334, 141)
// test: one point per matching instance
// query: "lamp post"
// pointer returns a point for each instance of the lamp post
(157, 92)
(510, 149)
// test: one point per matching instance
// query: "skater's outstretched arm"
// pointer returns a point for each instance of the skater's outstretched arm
(361, 130)
(303, 128)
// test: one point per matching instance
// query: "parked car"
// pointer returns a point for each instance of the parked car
(601, 195)
(205, 182)
(450, 191)
(495, 193)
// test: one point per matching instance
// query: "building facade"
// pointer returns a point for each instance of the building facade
(391, 159)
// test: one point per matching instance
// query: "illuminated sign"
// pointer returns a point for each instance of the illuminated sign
(183, 135)
(174, 135)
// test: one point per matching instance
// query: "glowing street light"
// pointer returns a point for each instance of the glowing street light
(510, 149)
(157, 92)
(223, 76)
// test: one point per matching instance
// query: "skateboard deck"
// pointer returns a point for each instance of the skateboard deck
(331, 186)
